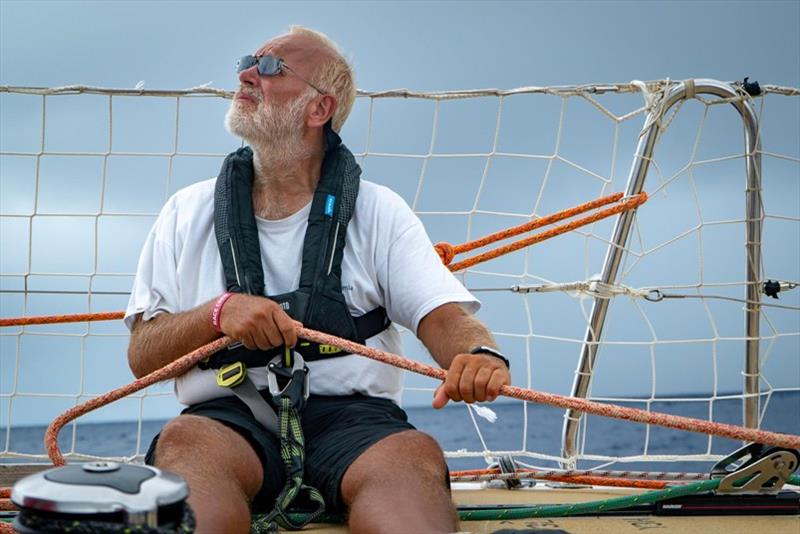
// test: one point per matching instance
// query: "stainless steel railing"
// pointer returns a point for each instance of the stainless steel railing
(614, 255)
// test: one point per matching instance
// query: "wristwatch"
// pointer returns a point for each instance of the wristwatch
(483, 349)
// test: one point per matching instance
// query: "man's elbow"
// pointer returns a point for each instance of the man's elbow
(135, 360)
(439, 319)
(135, 350)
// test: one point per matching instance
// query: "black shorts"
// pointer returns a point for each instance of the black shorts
(337, 430)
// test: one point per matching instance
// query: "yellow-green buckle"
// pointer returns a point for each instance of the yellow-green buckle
(231, 375)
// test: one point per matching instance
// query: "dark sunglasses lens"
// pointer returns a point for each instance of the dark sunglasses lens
(269, 65)
(244, 63)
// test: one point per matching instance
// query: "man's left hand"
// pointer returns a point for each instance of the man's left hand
(471, 378)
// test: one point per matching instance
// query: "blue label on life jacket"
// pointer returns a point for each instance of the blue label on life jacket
(329, 205)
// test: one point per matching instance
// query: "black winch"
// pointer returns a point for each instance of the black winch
(102, 497)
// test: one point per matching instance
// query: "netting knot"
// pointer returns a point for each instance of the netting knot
(446, 252)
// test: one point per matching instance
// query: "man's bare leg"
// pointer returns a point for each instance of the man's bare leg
(222, 470)
(398, 486)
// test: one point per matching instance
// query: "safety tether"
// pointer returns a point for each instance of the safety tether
(293, 454)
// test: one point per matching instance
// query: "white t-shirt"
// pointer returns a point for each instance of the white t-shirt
(388, 261)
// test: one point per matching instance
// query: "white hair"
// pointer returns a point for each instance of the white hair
(334, 75)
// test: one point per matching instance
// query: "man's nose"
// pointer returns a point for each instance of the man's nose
(249, 76)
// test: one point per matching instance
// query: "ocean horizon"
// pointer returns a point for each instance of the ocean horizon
(454, 429)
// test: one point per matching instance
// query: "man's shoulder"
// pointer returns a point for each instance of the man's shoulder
(379, 196)
(187, 207)
(197, 193)
(382, 213)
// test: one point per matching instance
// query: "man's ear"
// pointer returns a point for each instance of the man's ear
(322, 109)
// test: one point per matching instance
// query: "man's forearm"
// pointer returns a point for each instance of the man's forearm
(166, 337)
(449, 330)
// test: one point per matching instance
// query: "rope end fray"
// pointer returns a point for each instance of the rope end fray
(484, 411)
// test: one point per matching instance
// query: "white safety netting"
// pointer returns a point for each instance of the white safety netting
(84, 171)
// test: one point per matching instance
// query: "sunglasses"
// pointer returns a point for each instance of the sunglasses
(270, 66)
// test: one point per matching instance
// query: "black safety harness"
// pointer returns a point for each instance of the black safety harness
(318, 303)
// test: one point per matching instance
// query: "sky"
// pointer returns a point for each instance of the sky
(422, 46)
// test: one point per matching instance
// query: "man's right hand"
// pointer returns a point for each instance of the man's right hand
(257, 322)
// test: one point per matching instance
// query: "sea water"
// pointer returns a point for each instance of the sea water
(519, 426)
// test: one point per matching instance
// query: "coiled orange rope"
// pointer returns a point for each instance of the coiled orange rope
(447, 251)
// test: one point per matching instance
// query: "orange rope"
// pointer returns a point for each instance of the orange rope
(476, 475)
(663, 476)
(560, 401)
(614, 482)
(184, 363)
(54, 319)
(447, 251)
(174, 369)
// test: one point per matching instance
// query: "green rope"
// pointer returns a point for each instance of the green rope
(543, 510)
(293, 455)
(565, 510)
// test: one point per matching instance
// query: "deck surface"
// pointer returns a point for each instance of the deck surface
(470, 494)
(594, 524)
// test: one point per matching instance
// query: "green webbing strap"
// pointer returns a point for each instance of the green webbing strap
(293, 453)
(501, 512)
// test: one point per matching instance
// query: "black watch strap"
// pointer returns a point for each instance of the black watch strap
(483, 349)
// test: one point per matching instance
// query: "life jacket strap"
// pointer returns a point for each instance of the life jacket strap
(372, 323)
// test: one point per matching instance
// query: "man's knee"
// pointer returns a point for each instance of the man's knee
(197, 446)
(406, 454)
(418, 450)
(407, 469)
(185, 432)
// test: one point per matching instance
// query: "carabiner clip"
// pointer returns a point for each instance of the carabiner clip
(297, 385)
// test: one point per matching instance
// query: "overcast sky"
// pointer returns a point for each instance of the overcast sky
(416, 45)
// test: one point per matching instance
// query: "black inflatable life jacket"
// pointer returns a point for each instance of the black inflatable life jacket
(318, 302)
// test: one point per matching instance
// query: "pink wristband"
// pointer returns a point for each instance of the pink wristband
(216, 311)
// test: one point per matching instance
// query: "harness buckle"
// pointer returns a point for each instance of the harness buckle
(290, 367)
(231, 375)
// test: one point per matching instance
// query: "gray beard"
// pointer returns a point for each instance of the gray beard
(274, 131)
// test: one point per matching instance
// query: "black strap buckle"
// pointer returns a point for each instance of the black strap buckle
(287, 376)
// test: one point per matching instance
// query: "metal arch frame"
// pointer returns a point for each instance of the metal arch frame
(622, 227)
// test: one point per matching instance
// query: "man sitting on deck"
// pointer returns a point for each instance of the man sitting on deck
(199, 277)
